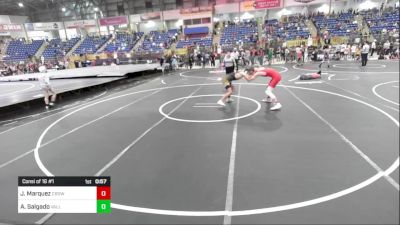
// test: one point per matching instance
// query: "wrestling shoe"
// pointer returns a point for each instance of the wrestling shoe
(276, 106)
(221, 103)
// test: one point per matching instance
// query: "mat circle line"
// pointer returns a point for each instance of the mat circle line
(216, 71)
(381, 97)
(341, 71)
(318, 200)
(182, 74)
(208, 121)
(374, 66)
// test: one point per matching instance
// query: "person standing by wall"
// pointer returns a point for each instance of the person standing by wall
(261, 54)
(229, 63)
(327, 53)
(270, 54)
(255, 56)
(353, 52)
(42, 59)
(212, 59)
(386, 47)
(342, 50)
(235, 56)
(299, 55)
(364, 54)
(252, 55)
(286, 57)
(373, 47)
(190, 60)
(44, 82)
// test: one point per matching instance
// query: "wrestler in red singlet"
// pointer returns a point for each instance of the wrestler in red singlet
(275, 78)
(273, 74)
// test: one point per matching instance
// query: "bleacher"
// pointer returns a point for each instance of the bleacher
(340, 25)
(123, 42)
(20, 51)
(91, 44)
(293, 29)
(206, 42)
(274, 29)
(157, 41)
(57, 48)
(388, 20)
(196, 36)
(296, 27)
(173, 32)
(233, 34)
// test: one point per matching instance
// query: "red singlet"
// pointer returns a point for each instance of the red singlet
(275, 76)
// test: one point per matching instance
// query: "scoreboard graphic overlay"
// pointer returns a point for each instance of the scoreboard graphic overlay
(64, 194)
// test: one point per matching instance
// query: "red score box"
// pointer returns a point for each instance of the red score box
(104, 192)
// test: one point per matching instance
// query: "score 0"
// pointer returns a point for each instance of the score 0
(103, 199)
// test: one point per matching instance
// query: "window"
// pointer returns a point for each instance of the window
(196, 21)
(120, 9)
(149, 5)
(187, 22)
(206, 20)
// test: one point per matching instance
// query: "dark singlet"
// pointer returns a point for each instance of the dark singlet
(228, 78)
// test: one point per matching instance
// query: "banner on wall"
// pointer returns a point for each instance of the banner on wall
(80, 24)
(304, 2)
(261, 4)
(116, 20)
(135, 18)
(10, 27)
(44, 26)
(181, 51)
(266, 4)
(178, 15)
(201, 9)
(150, 16)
